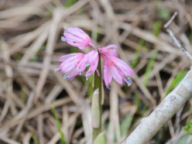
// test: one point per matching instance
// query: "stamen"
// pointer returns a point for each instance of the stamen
(63, 39)
(108, 88)
(65, 76)
(87, 64)
(89, 71)
(128, 81)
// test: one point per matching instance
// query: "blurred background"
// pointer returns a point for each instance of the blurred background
(38, 107)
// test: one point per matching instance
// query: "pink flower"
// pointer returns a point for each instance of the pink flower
(69, 64)
(117, 69)
(80, 63)
(77, 37)
(76, 63)
(90, 60)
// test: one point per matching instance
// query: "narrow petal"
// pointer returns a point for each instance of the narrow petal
(92, 68)
(117, 75)
(109, 50)
(107, 75)
(65, 57)
(79, 32)
(92, 56)
(77, 37)
(123, 66)
(73, 74)
(83, 64)
(69, 62)
(66, 67)
(92, 60)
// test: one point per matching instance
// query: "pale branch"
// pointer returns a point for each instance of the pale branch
(170, 20)
(178, 44)
(173, 37)
(150, 125)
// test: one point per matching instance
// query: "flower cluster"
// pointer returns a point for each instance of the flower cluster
(79, 63)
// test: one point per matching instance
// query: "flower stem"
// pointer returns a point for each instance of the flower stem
(97, 104)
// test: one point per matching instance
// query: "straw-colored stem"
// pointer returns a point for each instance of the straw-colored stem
(97, 104)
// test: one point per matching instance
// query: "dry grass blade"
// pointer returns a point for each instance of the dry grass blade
(30, 46)
(114, 128)
(49, 50)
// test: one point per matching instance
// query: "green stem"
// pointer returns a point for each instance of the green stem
(97, 104)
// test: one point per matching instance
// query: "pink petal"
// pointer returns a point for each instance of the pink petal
(82, 64)
(70, 62)
(78, 32)
(73, 74)
(65, 57)
(91, 56)
(117, 75)
(77, 37)
(107, 75)
(76, 44)
(92, 68)
(66, 67)
(92, 60)
(109, 50)
(72, 37)
(123, 67)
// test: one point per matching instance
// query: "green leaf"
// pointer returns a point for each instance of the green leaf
(188, 127)
(176, 80)
(149, 68)
(35, 139)
(74, 49)
(125, 124)
(96, 36)
(96, 108)
(34, 58)
(100, 139)
(90, 85)
(62, 137)
(137, 100)
(23, 95)
(138, 53)
(157, 28)
(69, 3)
(164, 14)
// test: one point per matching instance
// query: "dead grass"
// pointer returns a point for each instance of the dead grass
(30, 44)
